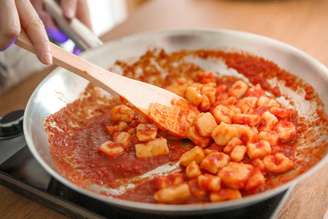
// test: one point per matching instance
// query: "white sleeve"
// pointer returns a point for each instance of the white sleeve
(16, 64)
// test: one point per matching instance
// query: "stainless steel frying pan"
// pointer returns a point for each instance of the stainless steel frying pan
(62, 87)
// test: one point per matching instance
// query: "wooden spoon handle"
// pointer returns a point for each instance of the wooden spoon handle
(95, 74)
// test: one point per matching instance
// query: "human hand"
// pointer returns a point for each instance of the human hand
(16, 15)
(71, 9)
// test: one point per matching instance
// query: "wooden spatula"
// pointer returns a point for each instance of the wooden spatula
(141, 95)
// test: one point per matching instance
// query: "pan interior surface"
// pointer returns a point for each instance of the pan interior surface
(61, 88)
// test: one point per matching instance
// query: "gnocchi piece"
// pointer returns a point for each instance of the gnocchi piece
(175, 179)
(178, 88)
(152, 148)
(246, 133)
(255, 91)
(259, 149)
(158, 147)
(122, 113)
(277, 163)
(283, 113)
(286, 131)
(122, 126)
(209, 90)
(225, 195)
(255, 181)
(220, 98)
(222, 114)
(247, 104)
(131, 131)
(173, 195)
(238, 89)
(209, 182)
(169, 180)
(122, 138)
(140, 118)
(234, 109)
(190, 117)
(111, 149)
(246, 119)
(111, 129)
(195, 154)
(146, 132)
(258, 163)
(193, 170)
(269, 119)
(238, 153)
(229, 101)
(205, 123)
(208, 151)
(193, 94)
(196, 191)
(143, 151)
(214, 161)
(263, 101)
(269, 136)
(232, 143)
(205, 104)
(267, 102)
(235, 175)
(223, 133)
(197, 138)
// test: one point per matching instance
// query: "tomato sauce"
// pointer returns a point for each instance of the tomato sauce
(81, 154)
(76, 131)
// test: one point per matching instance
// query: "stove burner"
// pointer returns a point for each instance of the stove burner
(11, 125)
(22, 173)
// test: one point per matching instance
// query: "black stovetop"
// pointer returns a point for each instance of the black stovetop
(21, 172)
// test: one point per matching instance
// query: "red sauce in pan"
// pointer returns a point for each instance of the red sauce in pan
(75, 135)
(80, 152)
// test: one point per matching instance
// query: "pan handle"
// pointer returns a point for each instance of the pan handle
(77, 31)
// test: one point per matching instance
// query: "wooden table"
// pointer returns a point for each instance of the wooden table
(302, 23)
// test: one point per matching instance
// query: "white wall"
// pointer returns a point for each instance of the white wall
(105, 14)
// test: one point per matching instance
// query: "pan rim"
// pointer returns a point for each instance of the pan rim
(189, 208)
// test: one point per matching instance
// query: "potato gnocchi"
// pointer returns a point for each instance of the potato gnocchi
(234, 137)
(239, 141)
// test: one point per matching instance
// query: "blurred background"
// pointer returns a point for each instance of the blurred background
(105, 14)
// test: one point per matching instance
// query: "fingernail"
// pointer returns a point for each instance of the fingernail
(56, 35)
(47, 59)
(76, 50)
(69, 13)
(9, 44)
